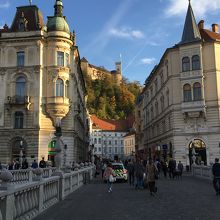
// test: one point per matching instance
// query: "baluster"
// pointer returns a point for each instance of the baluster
(26, 204)
(17, 206)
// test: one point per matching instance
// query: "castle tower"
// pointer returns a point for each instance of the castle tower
(118, 74)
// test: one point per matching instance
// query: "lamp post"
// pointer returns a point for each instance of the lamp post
(64, 156)
(21, 153)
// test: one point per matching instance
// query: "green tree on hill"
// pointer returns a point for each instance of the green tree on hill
(108, 100)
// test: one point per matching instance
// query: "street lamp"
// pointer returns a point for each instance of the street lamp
(21, 153)
(64, 156)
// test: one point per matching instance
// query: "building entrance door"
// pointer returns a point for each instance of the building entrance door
(198, 148)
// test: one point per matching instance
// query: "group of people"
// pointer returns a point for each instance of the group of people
(142, 173)
(15, 165)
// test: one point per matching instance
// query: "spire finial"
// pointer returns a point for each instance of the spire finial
(30, 1)
(58, 8)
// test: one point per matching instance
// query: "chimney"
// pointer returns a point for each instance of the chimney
(201, 24)
(215, 28)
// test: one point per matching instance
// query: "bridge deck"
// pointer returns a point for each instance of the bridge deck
(187, 199)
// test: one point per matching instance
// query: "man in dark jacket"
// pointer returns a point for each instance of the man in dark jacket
(216, 176)
(42, 163)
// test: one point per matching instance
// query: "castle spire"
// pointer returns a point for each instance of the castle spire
(58, 12)
(191, 31)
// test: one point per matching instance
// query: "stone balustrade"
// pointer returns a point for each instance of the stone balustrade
(22, 176)
(28, 199)
(204, 172)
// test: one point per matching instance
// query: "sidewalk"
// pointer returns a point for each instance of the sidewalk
(186, 199)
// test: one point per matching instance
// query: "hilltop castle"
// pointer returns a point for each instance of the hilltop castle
(100, 72)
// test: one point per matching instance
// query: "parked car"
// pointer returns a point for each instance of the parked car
(120, 171)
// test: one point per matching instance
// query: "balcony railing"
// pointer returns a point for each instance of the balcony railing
(18, 100)
(193, 106)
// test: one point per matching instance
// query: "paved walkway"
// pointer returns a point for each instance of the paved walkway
(186, 199)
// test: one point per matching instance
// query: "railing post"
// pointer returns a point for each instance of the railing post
(41, 198)
(10, 201)
(30, 175)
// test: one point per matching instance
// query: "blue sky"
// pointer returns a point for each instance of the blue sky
(140, 30)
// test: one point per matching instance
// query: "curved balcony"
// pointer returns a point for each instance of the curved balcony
(57, 107)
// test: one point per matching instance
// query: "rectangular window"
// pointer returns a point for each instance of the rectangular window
(116, 150)
(122, 142)
(116, 142)
(67, 60)
(19, 118)
(100, 149)
(60, 58)
(20, 58)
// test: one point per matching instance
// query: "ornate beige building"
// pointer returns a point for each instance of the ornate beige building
(181, 98)
(100, 72)
(41, 85)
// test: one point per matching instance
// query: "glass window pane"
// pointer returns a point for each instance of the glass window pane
(20, 88)
(59, 87)
(19, 117)
(187, 94)
(60, 58)
(185, 64)
(20, 58)
(195, 62)
(197, 94)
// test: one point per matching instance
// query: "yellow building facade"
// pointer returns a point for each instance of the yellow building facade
(41, 85)
(180, 106)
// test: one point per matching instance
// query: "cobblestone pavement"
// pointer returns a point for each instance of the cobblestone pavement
(186, 199)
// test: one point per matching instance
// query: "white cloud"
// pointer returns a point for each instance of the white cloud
(102, 38)
(147, 61)
(200, 8)
(126, 33)
(5, 4)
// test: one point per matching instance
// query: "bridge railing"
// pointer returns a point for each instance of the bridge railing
(26, 175)
(28, 199)
(204, 172)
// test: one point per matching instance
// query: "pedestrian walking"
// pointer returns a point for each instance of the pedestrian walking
(24, 164)
(164, 168)
(130, 168)
(216, 176)
(109, 176)
(180, 168)
(151, 177)
(42, 163)
(139, 174)
(171, 167)
(103, 168)
(34, 165)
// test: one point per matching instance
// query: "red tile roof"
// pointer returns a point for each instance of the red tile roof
(112, 125)
(208, 35)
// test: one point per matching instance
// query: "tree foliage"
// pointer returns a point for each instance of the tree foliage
(108, 100)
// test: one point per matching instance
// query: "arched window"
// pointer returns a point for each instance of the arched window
(187, 94)
(20, 89)
(185, 64)
(19, 120)
(59, 87)
(197, 94)
(195, 62)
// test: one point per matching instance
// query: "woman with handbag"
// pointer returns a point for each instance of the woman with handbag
(109, 176)
(151, 176)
